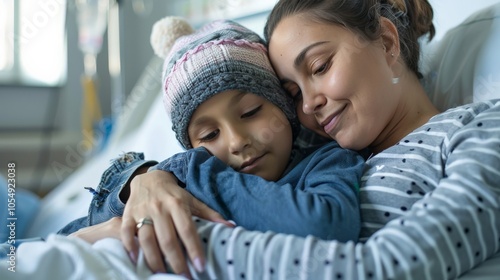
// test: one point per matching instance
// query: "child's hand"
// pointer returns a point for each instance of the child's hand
(110, 228)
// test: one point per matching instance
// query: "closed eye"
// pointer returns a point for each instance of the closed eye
(210, 136)
(322, 69)
(294, 91)
(251, 113)
(297, 96)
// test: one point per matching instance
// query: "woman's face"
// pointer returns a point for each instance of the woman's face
(342, 83)
(245, 131)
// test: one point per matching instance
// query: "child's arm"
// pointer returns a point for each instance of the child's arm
(318, 197)
(92, 234)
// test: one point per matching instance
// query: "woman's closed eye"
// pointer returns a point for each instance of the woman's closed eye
(294, 91)
(251, 112)
(322, 69)
(297, 96)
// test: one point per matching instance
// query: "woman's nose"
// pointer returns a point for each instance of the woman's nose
(312, 103)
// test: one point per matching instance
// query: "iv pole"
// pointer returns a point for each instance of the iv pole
(117, 94)
(92, 18)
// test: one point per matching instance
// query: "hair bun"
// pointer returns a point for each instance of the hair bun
(166, 31)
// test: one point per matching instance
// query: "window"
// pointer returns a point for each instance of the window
(32, 42)
(201, 11)
(6, 25)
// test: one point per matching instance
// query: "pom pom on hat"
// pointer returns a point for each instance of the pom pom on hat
(166, 31)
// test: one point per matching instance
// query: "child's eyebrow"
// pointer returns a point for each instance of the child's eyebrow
(235, 99)
(199, 122)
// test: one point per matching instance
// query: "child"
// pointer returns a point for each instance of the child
(238, 125)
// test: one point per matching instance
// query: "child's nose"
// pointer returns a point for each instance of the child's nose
(238, 140)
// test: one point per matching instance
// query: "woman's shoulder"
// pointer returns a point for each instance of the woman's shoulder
(454, 119)
(466, 113)
(434, 138)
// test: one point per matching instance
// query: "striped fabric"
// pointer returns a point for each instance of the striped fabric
(430, 207)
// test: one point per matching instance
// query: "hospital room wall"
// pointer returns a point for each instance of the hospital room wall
(28, 130)
(448, 13)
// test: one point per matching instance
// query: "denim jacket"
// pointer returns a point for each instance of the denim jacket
(106, 202)
(317, 196)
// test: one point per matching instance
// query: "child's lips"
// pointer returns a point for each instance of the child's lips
(250, 164)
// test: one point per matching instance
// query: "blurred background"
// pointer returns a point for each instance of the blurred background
(67, 68)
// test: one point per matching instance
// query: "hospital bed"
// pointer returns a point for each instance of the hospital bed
(462, 65)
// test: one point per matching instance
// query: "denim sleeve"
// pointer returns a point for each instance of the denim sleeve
(106, 202)
(318, 196)
(179, 163)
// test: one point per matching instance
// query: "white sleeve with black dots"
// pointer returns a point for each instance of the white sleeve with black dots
(430, 210)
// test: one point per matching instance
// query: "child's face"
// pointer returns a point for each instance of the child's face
(245, 131)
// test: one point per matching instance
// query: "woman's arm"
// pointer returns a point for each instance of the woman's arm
(318, 206)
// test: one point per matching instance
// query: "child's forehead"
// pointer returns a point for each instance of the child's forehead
(244, 96)
(228, 100)
(234, 96)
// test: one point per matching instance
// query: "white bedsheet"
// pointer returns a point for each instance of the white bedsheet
(62, 257)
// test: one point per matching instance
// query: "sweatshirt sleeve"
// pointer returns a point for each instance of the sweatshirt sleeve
(318, 196)
(446, 233)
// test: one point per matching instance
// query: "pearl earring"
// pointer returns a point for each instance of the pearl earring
(394, 80)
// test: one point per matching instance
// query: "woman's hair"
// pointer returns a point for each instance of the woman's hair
(412, 18)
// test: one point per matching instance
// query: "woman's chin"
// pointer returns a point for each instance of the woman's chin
(347, 142)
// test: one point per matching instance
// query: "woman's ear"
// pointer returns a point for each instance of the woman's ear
(390, 40)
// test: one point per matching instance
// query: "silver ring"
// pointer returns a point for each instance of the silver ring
(144, 221)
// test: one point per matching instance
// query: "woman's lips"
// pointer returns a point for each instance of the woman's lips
(331, 122)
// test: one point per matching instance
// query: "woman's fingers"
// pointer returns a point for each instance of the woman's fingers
(156, 195)
(188, 234)
(169, 243)
(149, 245)
(128, 229)
(201, 210)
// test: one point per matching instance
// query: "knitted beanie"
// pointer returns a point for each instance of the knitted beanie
(220, 56)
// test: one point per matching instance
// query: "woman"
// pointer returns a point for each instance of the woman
(429, 195)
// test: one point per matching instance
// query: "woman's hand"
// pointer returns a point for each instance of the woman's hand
(110, 228)
(156, 196)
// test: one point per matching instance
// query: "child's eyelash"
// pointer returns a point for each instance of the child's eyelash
(252, 112)
(209, 136)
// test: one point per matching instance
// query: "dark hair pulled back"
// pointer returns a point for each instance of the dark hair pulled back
(412, 18)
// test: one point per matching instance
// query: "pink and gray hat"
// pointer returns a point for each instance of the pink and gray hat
(222, 55)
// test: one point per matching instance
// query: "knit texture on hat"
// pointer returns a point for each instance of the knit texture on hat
(220, 56)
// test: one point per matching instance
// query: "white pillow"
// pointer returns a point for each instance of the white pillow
(464, 66)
